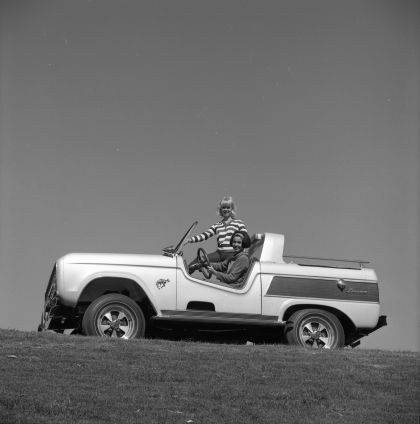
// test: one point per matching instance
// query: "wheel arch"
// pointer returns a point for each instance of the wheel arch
(348, 325)
(105, 284)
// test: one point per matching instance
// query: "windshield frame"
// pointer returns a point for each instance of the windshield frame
(172, 251)
(181, 242)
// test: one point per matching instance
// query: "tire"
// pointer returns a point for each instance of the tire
(315, 329)
(114, 315)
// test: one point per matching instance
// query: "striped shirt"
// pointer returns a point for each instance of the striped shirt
(224, 233)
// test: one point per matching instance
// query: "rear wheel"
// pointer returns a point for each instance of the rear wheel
(114, 315)
(316, 329)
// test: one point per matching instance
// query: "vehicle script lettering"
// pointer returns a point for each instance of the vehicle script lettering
(355, 291)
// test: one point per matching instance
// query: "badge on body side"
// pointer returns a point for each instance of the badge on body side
(160, 284)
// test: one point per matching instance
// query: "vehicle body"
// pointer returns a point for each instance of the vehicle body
(311, 302)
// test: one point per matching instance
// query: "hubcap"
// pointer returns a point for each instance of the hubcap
(316, 334)
(116, 322)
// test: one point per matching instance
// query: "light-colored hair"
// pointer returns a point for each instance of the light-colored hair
(227, 200)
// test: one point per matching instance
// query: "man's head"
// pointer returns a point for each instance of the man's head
(240, 240)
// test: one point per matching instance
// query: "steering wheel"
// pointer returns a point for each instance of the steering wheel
(204, 260)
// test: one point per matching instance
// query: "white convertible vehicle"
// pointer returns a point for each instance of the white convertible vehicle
(317, 303)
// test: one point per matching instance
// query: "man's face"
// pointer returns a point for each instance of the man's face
(237, 243)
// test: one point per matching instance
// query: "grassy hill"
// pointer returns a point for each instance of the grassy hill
(49, 378)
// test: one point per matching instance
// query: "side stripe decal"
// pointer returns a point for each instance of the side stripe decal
(323, 289)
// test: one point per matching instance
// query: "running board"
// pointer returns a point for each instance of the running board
(211, 317)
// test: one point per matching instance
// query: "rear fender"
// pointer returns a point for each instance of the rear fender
(290, 307)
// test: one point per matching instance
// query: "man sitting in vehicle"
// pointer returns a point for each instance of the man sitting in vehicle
(232, 270)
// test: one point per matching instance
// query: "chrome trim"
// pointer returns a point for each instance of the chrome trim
(219, 318)
(334, 263)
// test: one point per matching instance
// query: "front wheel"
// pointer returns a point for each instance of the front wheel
(114, 315)
(316, 329)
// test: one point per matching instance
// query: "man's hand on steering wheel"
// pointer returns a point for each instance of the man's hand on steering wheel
(211, 270)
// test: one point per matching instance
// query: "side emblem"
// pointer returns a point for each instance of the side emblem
(341, 285)
(160, 284)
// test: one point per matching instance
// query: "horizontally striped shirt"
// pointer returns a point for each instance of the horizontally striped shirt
(224, 233)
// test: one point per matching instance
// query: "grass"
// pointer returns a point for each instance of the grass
(50, 378)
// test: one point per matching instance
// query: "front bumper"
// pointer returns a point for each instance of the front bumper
(55, 316)
(58, 318)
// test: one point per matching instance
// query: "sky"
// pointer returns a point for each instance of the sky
(122, 122)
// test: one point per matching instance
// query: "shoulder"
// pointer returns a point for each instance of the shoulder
(243, 257)
(217, 225)
(238, 223)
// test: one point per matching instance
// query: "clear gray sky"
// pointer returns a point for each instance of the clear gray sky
(123, 121)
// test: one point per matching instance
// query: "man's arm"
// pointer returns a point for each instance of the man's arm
(220, 266)
(238, 268)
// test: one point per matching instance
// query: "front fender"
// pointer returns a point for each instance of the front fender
(72, 295)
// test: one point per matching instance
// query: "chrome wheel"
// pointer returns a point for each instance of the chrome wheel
(316, 334)
(315, 329)
(114, 315)
(116, 322)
